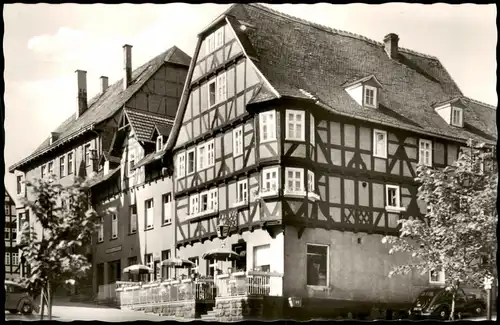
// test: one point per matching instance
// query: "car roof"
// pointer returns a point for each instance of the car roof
(13, 283)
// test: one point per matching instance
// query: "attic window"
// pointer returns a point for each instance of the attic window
(159, 143)
(370, 96)
(457, 116)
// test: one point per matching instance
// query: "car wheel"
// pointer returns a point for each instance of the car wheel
(444, 313)
(13, 311)
(26, 308)
(478, 311)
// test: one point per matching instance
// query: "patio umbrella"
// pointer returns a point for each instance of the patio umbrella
(138, 269)
(221, 254)
(178, 263)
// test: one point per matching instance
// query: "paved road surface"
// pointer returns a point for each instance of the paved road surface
(79, 311)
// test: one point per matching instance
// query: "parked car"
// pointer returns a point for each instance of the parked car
(436, 303)
(18, 299)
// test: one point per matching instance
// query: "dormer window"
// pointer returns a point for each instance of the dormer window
(457, 116)
(370, 96)
(159, 143)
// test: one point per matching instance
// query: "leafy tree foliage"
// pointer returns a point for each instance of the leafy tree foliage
(458, 233)
(53, 246)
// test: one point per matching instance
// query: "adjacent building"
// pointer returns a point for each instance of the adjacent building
(303, 141)
(96, 143)
(10, 228)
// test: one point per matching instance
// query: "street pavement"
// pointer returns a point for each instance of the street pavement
(71, 311)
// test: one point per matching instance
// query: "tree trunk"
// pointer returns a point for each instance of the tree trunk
(49, 301)
(42, 303)
(452, 311)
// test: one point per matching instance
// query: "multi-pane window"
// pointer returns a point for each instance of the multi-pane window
(312, 130)
(295, 123)
(310, 181)
(181, 165)
(211, 93)
(210, 153)
(100, 231)
(149, 213)
(131, 161)
(437, 277)
(42, 171)
(50, 168)
(370, 96)
(456, 116)
(238, 141)
(203, 201)
(7, 258)
(221, 88)
(70, 163)
(133, 219)
(425, 157)
(270, 179)
(317, 265)
(213, 199)
(267, 121)
(201, 157)
(159, 143)
(7, 234)
(242, 191)
(61, 166)
(190, 161)
(167, 208)
(380, 143)
(210, 43)
(219, 37)
(392, 196)
(148, 260)
(193, 204)
(165, 255)
(114, 226)
(294, 180)
(86, 154)
(15, 259)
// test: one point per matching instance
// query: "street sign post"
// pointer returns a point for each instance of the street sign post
(487, 286)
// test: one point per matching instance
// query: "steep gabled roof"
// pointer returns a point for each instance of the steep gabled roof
(105, 105)
(143, 123)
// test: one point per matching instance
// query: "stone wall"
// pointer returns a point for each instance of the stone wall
(249, 307)
(184, 309)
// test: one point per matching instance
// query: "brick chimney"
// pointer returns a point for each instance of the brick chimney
(391, 45)
(104, 84)
(127, 56)
(81, 79)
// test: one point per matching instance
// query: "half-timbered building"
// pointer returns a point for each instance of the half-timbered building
(302, 142)
(10, 238)
(102, 142)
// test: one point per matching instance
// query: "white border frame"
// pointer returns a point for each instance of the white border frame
(263, 173)
(420, 158)
(217, 85)
(327, 265)
(216, 43)
(378, 155)
(368, 87)
(186, 160)
(302, 190)
(211, 81)
(460, 109)
(146, 226)
(442, 278)
(273, 127)
(209, 164)
(163, 222)
(180, 164)
(239, 203)
(235, 130)
(303, 129)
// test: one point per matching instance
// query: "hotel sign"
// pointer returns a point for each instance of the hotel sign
(114, 249)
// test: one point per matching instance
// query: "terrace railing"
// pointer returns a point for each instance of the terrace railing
(250, 283)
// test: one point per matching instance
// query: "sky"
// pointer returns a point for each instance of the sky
(41, 56)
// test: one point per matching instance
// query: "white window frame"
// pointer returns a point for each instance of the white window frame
(201, 157)
(14, 259)
(221, 88)
(210, 82)
(265, 191)
(238, 141)
(42, 171)
(371, 88)
(62, 166)
(114, 226)
(294, 136)
(7, 258)
(131, 161)
(213, 200)
(312, 130)
(202, 211)
(159, 143)
(70, 162)
(210, 153)
(100, 231)
(327, 264)
(241, 192)
(375, 153)
(194, 205)
(301, 191)
(167, 208)
(460, 115)
(149, 217)
(441, 275)
(422, 150)
(398, 207)
(133, 219)
(193, 151)
(311, 186)
(270, 126)
(50, 168)
(181, 164)
(210, 43)
(219, 38)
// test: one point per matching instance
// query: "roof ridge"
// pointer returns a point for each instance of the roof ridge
(480, 103)
(334, 30)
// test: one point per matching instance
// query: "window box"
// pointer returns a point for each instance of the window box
(395, 209)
